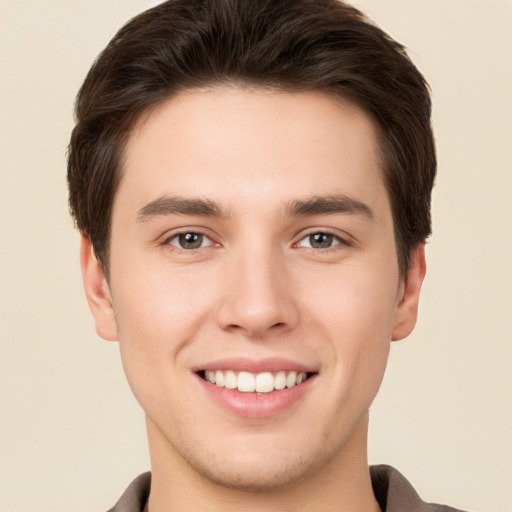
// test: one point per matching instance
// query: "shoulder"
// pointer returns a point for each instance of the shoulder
(135, 497)
(394, 493)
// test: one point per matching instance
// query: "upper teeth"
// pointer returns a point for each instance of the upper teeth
(246, 382)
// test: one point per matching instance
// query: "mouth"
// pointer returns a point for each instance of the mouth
(263, 388)
(264, 382)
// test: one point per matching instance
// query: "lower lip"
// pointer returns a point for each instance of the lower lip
(254, 405)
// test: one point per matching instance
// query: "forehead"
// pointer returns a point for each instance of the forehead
(243, 147)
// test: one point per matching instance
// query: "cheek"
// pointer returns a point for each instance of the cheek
(354, 311)
(158, 313)
(359, 326)
(160, 300)
(352, 302)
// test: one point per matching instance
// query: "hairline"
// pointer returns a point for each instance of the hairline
(343, 98)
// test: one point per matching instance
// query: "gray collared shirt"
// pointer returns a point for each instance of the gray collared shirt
(392, 491)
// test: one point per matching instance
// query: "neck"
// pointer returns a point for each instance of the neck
(342, 484)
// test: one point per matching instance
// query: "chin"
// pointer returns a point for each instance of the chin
(267, 474)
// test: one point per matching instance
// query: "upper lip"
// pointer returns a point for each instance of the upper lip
(255, 366)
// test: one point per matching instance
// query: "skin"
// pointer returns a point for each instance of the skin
(254, 289)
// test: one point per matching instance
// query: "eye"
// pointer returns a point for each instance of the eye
(320, 240)
(189, 240)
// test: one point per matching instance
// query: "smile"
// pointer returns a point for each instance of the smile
(246, 382)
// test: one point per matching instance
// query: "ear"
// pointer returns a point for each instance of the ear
(97, 292)
(406, 311)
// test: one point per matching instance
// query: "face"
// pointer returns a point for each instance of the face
(254, 284)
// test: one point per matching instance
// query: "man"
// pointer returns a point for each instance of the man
(252, 183)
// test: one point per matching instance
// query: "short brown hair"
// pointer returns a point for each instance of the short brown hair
(291, 45)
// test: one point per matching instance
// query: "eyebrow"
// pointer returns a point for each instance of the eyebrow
(320, 205)
(170, 205)
(323, 205)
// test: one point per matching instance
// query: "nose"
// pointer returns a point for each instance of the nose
(258, 299)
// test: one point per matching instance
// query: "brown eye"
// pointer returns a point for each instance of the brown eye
(189, 241)
(319, 240)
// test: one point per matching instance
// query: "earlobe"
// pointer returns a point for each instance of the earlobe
(97, 292)
(406, 311)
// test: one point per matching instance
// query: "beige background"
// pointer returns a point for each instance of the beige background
(71, 435)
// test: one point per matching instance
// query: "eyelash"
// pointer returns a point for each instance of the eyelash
(169, 239)
(340, 241)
